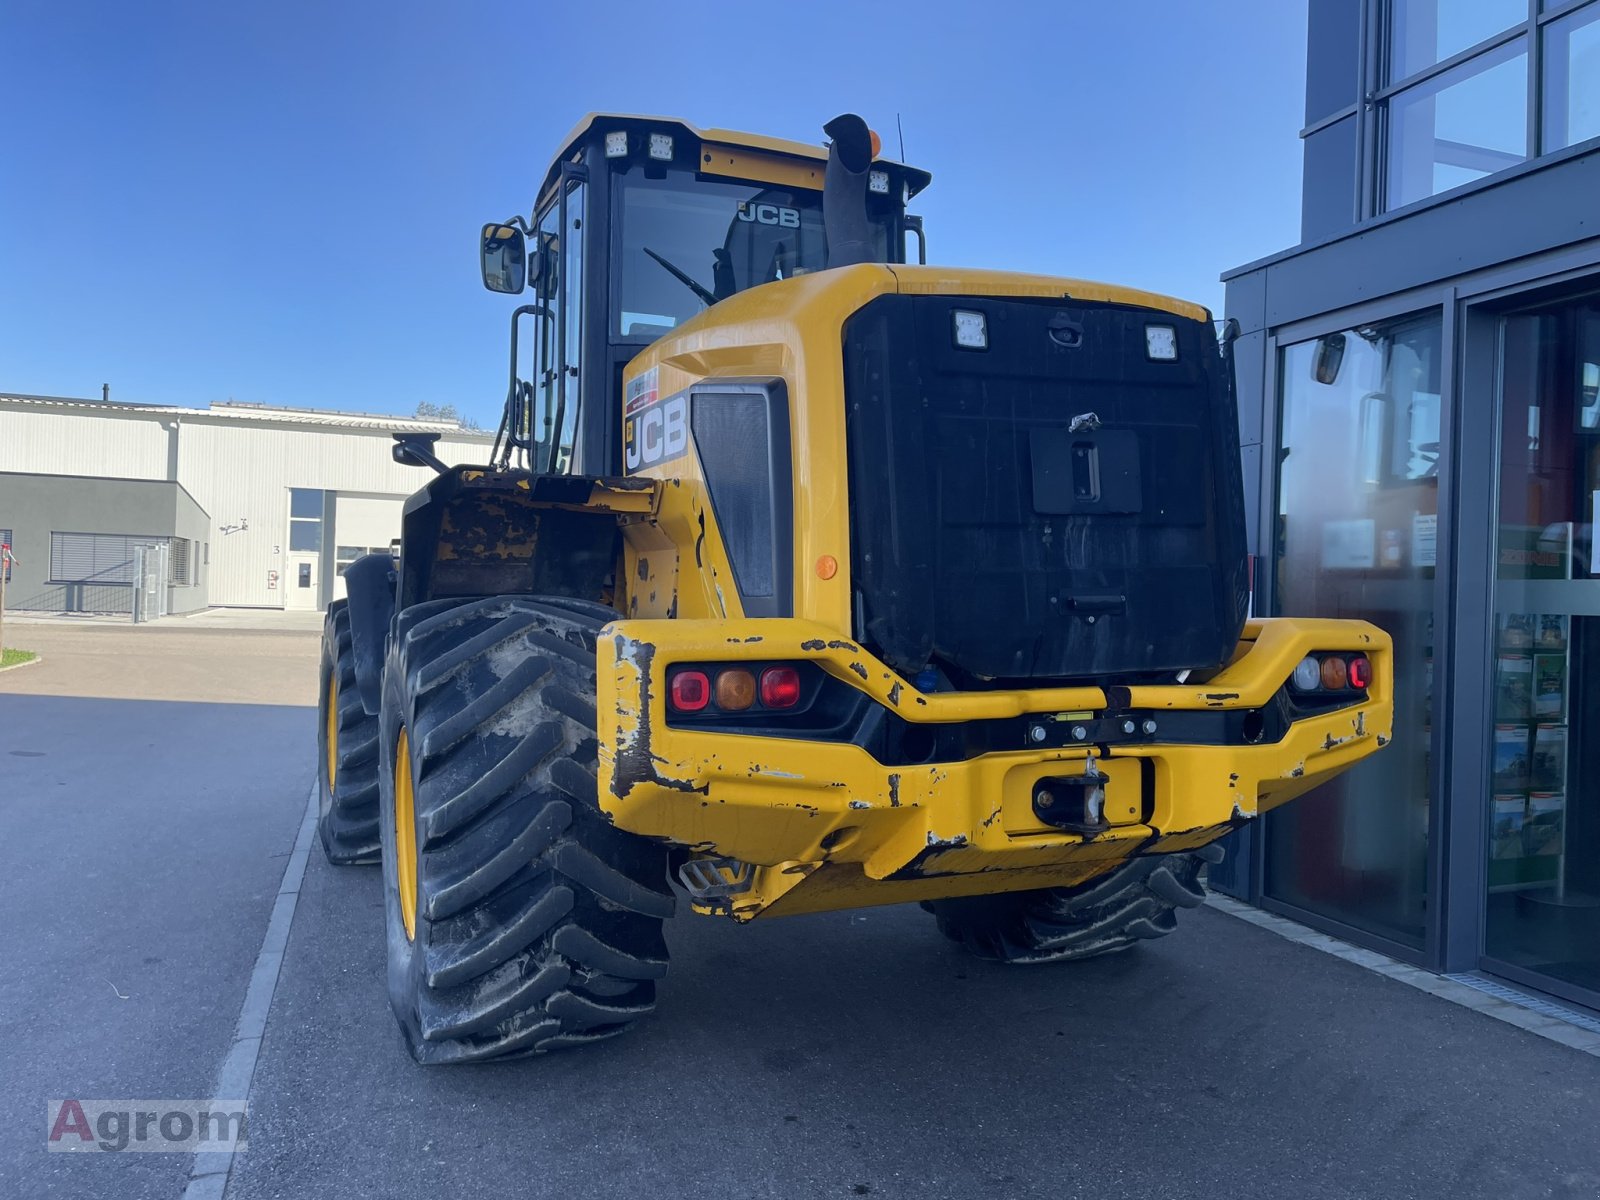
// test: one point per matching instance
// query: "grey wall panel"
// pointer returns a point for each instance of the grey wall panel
(192, 522)
(1333, 56)
(1328, 184)
(1245, 300)
(1253, 483)
(35, 506)
(1250, 361)
(1448, 239)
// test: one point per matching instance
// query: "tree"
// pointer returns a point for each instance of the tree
(427, 411)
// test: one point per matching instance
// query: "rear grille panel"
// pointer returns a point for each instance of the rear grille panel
(1047, 508)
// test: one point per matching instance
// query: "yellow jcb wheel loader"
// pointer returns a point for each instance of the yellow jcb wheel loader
(805, 578)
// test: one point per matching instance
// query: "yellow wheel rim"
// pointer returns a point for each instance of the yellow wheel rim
(332, 738)
(405, 836)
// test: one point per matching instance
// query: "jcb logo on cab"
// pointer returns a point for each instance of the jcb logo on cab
(769, 214)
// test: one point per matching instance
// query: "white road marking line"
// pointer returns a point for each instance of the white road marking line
(208, 1176)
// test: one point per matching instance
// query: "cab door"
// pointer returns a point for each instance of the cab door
(557, 385)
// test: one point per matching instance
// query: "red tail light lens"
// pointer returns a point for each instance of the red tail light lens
(780, 687)
(1360, 674)
(689, 691)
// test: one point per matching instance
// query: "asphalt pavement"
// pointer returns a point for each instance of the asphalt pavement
(142, 844)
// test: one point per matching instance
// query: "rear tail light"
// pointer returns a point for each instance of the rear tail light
(711, 688)
(689, 691)
(736, 689)
(1332, 673)
(780, 687)
(1360, 673)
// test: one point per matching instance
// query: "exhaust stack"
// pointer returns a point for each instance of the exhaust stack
(844, 191)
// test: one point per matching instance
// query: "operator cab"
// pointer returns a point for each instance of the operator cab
(641, 224)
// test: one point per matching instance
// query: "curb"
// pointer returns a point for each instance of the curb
(1537, 1016)
(32, 662)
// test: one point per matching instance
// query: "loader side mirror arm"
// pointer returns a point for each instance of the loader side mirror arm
(416, 450)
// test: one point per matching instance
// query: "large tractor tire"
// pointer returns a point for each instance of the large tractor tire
(519, 920)
(1133, 903)
(347, 752)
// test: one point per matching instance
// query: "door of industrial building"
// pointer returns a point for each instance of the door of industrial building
(362, 524)
(300, 585)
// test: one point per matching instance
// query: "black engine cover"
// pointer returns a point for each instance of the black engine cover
(1059, 505)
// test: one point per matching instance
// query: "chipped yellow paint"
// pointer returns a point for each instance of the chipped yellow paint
(790, 805)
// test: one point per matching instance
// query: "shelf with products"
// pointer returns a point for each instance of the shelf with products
(1530, 755)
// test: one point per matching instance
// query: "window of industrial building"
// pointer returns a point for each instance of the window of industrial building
(1572, 79)
(178, 564)
(95, 557)
(1356, 538)
(305, 519)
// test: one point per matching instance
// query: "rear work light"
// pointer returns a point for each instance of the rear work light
(1332, 673)
(1307, 675)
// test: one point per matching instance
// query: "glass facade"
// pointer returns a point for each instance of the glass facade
(1357, 538)
(1572, 79)
(1543, 898)
(1466, 123)
(1432, 465)
(1469, 88)
(1424, 32)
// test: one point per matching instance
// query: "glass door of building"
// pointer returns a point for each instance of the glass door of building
(1358, 505)
(1542, 919)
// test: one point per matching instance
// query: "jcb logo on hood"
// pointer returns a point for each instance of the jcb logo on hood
(769, 214)
(656, 434)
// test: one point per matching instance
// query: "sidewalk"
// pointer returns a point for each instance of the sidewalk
(209, 618)
(262, 659)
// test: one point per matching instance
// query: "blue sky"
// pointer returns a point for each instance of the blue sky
(279, 202)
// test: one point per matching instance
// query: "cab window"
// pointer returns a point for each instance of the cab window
(686, 243)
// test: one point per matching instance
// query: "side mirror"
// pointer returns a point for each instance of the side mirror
(503, 256)
(1328, 358)
(416, 450)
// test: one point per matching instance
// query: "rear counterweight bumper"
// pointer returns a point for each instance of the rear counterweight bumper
(829, 826)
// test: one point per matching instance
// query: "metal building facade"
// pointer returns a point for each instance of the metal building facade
(258, 471)
(1419, 386)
